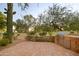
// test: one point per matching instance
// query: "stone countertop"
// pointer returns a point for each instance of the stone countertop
(73, 36)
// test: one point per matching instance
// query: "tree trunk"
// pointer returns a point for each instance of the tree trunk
(9, 21)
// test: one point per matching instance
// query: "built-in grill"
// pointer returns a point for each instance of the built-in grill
(62, 33)
(60, 38)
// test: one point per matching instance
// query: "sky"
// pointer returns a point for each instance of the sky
(35, 9)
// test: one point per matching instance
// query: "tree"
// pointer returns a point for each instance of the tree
(29, 20)
(9, 20)
(2, 21)
(57, 14)
(21, 26)
(74, 22)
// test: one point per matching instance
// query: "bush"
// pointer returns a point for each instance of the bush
(5, 35)
(50, 33)
(31, 33)
(29, 37)
(40, 39)
(4, 42)
(42, 33)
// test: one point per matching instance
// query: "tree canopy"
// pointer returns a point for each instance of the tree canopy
(2, 21)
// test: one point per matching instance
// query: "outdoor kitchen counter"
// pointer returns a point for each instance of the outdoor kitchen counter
(72, 36)
(74, 42)
(69, 42)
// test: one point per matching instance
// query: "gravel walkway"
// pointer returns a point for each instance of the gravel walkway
(27, 48)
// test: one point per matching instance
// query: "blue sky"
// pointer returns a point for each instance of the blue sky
(35, 9)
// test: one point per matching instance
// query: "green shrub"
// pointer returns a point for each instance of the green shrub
(42, 33)
(29, 37)
(5, 35)
(4, 42)
(31, 33)
(18, 34)
(40, 39)
(50, 33)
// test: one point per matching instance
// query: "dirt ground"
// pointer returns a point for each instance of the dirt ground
(28, 48)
